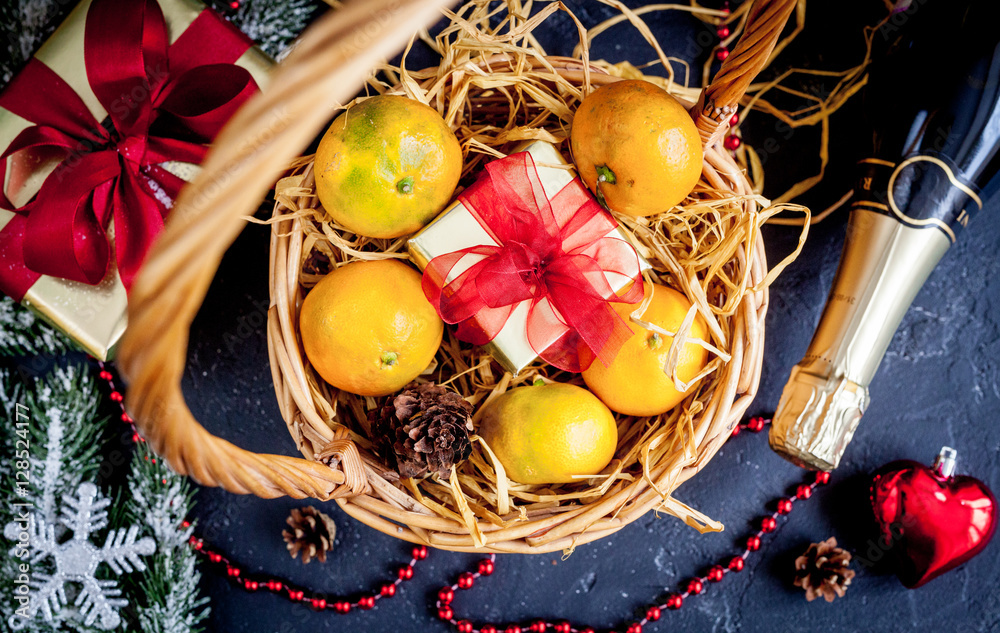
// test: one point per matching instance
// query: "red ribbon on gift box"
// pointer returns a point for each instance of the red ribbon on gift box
(553, 254)
(164, 101)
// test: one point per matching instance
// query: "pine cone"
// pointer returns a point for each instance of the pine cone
(824, 570)
(423, 430)
(312, 534)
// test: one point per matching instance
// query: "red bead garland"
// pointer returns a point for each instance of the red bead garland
(716, 573)
(446, 595)
(723, 32)
(365, 602)
(487, 566)
(673, 600)
(732, 142)
(117, 397)
(466, 580)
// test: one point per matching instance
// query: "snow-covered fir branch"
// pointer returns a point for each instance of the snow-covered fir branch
(11, 395)
(24, 334)
(274, 24)
(60, 431)
(175, 603)
(24, 25)
(160, 501)
(61, 437)
(64, 440)
(66, 435)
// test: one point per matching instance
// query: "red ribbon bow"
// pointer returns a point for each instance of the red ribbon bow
(552, 254)
(165, 101)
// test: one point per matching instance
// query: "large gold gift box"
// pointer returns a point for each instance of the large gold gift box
(93, 316)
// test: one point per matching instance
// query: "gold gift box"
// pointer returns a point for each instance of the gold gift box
(455, 228)
(93, 316)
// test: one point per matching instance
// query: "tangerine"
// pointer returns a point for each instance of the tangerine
(368, 329)
(635, 383)
(387, 166)
(636, 147)
(549, 434)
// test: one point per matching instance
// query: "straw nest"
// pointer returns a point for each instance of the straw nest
(496, 87)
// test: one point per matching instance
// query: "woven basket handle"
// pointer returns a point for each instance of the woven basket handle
(719, 100)
(327, 68)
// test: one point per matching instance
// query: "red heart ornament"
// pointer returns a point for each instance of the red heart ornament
(931, 521)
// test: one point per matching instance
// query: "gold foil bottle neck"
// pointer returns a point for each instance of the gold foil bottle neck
(883, 265)
(816, 419)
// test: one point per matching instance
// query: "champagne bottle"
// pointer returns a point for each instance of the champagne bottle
(933, 102)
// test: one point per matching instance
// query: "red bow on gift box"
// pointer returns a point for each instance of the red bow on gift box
(553, 254)
(165, 101)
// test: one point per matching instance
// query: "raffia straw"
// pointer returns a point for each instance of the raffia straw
(495, 88)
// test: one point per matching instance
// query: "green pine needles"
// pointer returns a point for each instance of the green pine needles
(24, 334)
(24, 25)
(160, 500)
(273, 24)
(51, 442)
(52, 436)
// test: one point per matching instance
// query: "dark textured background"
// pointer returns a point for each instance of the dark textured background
(938, 385)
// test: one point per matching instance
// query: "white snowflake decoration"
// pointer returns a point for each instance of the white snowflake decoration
(77, 559)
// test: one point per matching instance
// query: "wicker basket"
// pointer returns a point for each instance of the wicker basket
(250, 154)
